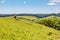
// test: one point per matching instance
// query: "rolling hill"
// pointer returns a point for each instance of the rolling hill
(51, 21)
(12, 29)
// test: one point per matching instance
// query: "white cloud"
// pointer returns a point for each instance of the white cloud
(2, 1)
(53, 2)
(25, 2)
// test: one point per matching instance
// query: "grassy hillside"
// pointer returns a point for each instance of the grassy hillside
(30, 18)
(11, 29)
(51, 21)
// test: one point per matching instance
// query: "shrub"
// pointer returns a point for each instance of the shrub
(50, 33)
(52, 21)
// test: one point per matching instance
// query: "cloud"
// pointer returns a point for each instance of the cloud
(2, 1)
(25, 2)
(53, 2)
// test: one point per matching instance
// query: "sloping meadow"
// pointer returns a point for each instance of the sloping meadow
(12, 29)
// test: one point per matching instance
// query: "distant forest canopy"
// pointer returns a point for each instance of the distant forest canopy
(37, 15)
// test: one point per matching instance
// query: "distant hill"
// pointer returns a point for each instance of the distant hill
(37, 15)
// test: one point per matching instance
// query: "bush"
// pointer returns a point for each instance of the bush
(50, 33)
(52, 21)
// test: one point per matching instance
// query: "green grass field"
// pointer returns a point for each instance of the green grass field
(11, 29)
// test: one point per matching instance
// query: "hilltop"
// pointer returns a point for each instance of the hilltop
(12, 29)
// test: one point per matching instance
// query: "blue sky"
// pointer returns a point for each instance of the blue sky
(29, 6)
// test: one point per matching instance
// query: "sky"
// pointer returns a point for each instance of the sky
(29, 6)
